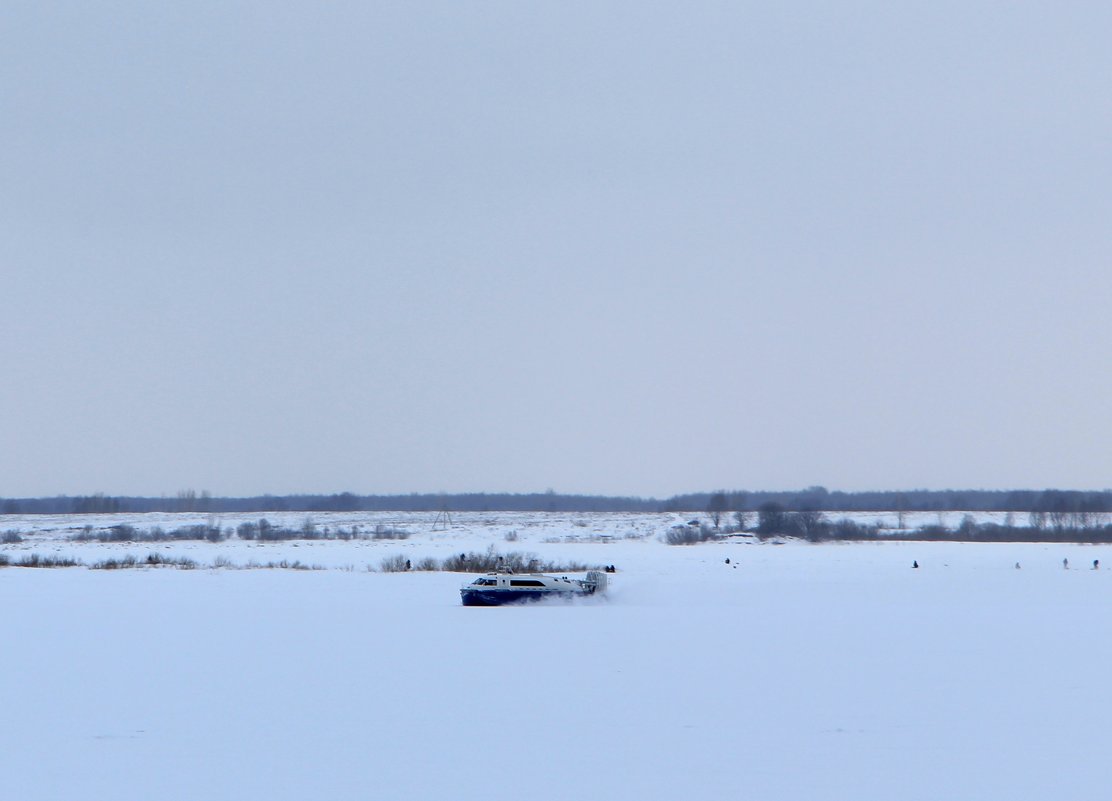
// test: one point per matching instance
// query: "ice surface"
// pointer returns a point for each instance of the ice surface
(795, 672)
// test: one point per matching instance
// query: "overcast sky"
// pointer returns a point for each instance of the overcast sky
(624, 248)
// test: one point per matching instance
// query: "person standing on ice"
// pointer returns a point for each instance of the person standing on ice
(1096, 564)
(1066, 564)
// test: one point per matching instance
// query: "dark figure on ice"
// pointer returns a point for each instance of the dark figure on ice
(408, 566)
(1017, 565)
(1066, 564)
(915, 564)
(1096, 564)
(727, 560)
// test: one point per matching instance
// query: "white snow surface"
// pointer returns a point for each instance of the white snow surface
(795, 672)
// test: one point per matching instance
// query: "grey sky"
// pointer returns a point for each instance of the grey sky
(630, 248)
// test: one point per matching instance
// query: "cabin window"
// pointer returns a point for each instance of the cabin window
(485, 582)
(526, 583)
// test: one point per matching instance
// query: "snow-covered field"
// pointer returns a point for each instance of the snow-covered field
(794, 672)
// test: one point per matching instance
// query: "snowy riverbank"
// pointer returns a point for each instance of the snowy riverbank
(794, 672)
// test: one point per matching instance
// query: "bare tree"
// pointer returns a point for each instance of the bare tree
(716, 506)
(770, 518)
(810, 523)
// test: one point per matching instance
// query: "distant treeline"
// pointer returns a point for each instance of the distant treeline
(817, 499)
(774, 521)
(190, 501)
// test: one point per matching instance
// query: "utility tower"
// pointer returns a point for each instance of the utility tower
(443, 518)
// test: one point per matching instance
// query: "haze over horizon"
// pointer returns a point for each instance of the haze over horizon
(630, 249)
(199, 495)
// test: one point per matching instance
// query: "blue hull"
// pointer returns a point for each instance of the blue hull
(477, 597)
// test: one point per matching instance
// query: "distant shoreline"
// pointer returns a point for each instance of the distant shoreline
(1053, 503)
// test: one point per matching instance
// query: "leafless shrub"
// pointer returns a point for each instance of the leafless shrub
(248, 530)
(294, 565)
(690, 535)
(394, 564)
(34, 560)
(390, 533)
(126, 533)
(159, 560)
(514, 562)
(116, 564)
